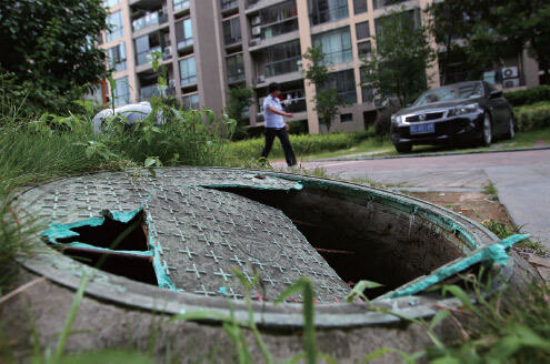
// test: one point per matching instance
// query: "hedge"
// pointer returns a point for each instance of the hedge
(301, 144)
(528, 97)
(532, 117)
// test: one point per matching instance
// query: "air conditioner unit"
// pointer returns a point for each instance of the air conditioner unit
(255, 20)
(260, 79)
(512, 82)
(255, 42)
(167, 51)
(171, 83)
(509, 72)
(256, 31)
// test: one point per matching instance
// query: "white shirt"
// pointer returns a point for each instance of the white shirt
(273, 120)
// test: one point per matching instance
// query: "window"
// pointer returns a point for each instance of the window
(279, 19)
(364, 49)
(379, 4)
(367, 91)
(180, 4)
(324, 11)
(184, 34)
(235, 68)
(362, 30)
(190, 102)
(188, 71)
(117, 57)
(346, 118)
(115, 21)
(359, 6)
(122, 92)
(344, 82)
(110, 3)
(145, 46)
(228, 4)
(282, 58)
(232, 31)
(336, 45)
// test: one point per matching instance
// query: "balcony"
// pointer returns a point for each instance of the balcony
(148, 92)
(180, 5)
(237, 77)
(281, 67)
(227, 5)
(147, 57)
(149, 20)
(185, 44)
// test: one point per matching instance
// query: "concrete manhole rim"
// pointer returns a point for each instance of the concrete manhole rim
(147, 297)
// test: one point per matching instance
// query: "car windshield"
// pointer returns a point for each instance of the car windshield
(452, 92)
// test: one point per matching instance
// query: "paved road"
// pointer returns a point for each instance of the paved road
(521, 178)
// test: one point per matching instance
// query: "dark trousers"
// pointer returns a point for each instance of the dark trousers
(270, 134)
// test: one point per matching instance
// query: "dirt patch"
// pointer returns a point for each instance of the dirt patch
(477, 206)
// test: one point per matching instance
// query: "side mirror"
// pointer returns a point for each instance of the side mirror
(495, 94)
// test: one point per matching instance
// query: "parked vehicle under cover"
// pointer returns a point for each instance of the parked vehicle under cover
(463, 112)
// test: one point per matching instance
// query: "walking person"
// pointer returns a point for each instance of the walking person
(275, 124)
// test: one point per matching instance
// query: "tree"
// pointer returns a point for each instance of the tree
(327, 100)
(240, 98)
(491, 30)
(50, 43)
(397, 67)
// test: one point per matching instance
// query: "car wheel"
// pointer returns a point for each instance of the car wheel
(511, 133)
(487, 135)
(403, 147)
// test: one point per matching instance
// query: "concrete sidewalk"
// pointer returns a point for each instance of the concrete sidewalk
(521, 178)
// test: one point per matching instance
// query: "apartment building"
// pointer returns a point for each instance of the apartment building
(210, 46)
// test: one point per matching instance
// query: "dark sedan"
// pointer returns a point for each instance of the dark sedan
(463, 112)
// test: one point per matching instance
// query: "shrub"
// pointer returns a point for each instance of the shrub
(531, 117)
(301, 144)
(383, 120)
(528, 97)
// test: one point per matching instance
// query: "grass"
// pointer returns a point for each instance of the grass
(35, 151)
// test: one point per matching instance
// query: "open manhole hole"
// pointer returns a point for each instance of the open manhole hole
(186, 230)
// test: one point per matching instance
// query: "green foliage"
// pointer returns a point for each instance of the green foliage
(301, 144)
(326, 99)
(529, 96)
(240, 98)
(50, 43)
(397, 67)
(532, 117)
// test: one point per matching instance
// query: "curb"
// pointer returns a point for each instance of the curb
(435, 154)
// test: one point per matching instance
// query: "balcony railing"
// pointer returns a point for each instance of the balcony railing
(147, 92)
(185, 43)
(146, 57)
(281, 67)
(281, 27)
(229, 4)
(236, 77)
(330, 15)
(339, 57)
(149, 20)
(180, 5)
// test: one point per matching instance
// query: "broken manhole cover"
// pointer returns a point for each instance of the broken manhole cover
(174, 241)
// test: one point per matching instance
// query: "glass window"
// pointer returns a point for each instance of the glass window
(324, 11)
(190, 102)
(228, 4)
(110, 3)
(359, 6)
(412, 15)
(460, 91)
(235, 68)
(184, 33)
(336, 45)
(362, 30)
(122, 92)
(117, 57)
(180, 4)
(364, 49)
(346, 118)
(282, 58)
(147, 45)
(279, 19)
(367, 90)
(115, 21)
(188, 71)
(344, 82)
(232, 31)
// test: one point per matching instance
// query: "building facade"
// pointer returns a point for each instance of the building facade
(210, 46)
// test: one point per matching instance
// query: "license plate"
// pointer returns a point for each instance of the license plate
(422, 128)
